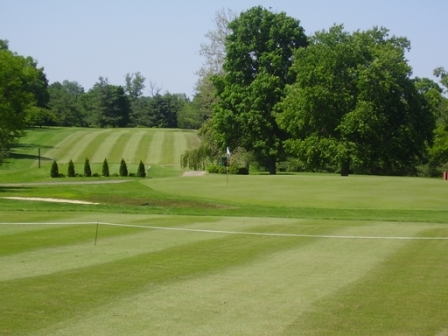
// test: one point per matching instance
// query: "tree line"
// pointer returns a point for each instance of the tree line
(332, 101)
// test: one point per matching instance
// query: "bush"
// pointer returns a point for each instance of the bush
(233, 170)
(54, 169)
(222, 170)
(71, 169)
(123, 168)
(105, 168)
(213, 169)
(131, 174)
(141, 170)
(96, 175)
(87, 171)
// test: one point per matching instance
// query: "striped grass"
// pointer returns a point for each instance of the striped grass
(144, 281)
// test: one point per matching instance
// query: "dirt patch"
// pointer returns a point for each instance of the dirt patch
(53, 200)
(194, 173)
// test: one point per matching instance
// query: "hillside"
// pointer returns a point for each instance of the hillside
(161, 147)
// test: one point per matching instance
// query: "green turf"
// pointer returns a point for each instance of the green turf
(305, 254)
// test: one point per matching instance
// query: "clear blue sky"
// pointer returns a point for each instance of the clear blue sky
(80, 40)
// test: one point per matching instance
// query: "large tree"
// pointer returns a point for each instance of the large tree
(259, 53)
(354, 106)
(22, 90)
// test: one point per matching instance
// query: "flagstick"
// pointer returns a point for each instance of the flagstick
(96, 234)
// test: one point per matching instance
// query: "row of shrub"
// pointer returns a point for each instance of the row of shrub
(218, 169)
(105, 170)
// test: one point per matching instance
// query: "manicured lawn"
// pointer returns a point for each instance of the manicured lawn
(306, 254)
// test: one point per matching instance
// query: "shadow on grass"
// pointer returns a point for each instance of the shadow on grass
(14, 188)
(18, 156)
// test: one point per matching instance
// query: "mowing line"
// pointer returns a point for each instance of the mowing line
(237, 232)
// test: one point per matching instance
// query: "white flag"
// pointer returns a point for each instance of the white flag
(228, 151)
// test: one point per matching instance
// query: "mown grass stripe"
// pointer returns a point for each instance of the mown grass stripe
(141, 152)
(103, 149)
(60, 149)
(117, 152)
(130, 154)
(155, 150)
(80, 149)
(168, 149)
(89, 150)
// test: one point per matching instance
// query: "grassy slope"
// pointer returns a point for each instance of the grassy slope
(158, 147)
(137, 281)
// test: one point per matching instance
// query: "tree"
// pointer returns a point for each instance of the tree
(65, 104)
(259, 53)
(441, 72)
(71, 169)
(354, 106)
(123, 168)
(87, 170)
(22, 90)
(141, 170)
(105, 168)
(108, 105)
(54, 169)
(134, 86)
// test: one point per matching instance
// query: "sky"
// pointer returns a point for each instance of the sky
(81, 40)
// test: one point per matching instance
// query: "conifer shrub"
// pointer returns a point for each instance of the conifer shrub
(71, 169)
(141, 170)
(87, 170)
(105, 168)
(54, 169)
(123, 168)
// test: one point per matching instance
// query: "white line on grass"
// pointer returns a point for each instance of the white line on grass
(235, 232)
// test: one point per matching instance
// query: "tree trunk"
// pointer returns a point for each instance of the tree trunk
(345, 167)
(272, 165)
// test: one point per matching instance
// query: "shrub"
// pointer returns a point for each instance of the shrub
(131, 174)
(123, 168)
(222, 170)
(141, 170)
(213, 169)
(96, 175)
(71, 169)
(233, 170)
(87, 171)
(105, 168)
(54, 169)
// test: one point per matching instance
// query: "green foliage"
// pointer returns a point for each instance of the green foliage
(105, 169)
(141, 172)
(354, 106)
(23, 88)
(71, 169)
(54, 169)
(65, 104)
(259, 53)
(108, 105)
(123, 168)
(87, 170)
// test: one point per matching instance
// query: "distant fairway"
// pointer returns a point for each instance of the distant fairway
(161, 147)
(152, 146)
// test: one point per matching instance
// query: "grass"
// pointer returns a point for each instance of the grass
(200, 256)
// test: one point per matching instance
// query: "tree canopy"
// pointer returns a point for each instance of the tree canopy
(353, 105)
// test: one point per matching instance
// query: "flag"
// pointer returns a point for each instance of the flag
(228, 151)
